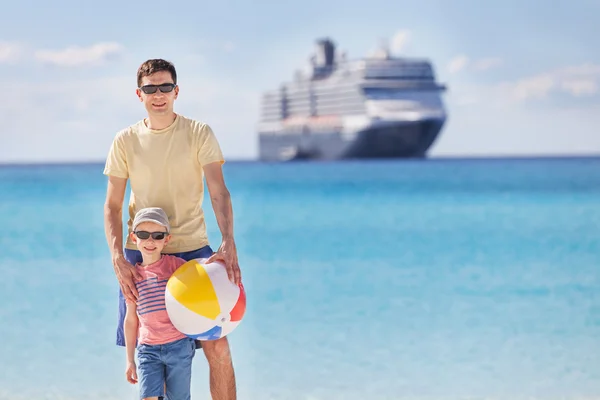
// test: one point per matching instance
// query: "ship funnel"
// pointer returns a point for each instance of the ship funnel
(325, 53)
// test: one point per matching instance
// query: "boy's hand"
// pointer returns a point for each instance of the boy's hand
(131, 373)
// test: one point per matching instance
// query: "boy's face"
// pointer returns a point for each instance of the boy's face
(150, 246)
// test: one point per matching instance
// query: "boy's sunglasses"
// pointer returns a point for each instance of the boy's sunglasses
(155, 235)
(151, 89)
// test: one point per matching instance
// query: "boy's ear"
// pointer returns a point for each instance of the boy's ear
(133, 238)
(167, 238)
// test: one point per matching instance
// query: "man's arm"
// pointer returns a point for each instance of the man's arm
(113, 227)
(220, 198)
(221, 203)
(113, 217)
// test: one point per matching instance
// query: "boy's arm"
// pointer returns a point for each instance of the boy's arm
(131, 330)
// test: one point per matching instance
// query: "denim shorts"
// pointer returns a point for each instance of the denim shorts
(134, 256)
(166, 364)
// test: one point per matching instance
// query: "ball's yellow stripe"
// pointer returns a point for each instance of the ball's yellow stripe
(191, 286)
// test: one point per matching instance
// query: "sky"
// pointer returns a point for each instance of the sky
(523, 77)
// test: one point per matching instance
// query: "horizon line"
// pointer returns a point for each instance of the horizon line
(57, 163)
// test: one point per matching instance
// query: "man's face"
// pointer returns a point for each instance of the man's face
(159, 102)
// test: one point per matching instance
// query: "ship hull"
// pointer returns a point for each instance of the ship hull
(390, 140)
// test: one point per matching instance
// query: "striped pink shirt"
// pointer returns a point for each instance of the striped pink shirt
(155, 326)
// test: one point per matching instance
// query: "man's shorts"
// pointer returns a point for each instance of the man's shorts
(133, 257)
(167, 364)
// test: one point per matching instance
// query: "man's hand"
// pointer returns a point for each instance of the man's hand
(126, 274)
(227, 253)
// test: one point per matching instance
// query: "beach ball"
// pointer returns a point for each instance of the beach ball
(202, 302)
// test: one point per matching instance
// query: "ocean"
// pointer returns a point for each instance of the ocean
(413, 279)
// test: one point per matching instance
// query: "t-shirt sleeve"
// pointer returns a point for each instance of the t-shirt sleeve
(116, 161)
(209, 150)
(175, 263)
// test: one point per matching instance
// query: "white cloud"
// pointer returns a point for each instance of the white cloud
(485, 64)
(76, 56)
(228, 46)
(492, 129)
(458, 63)
(578, 80)
(10, 52)
(54, 116)
(462, 62)
(399, 41)
(580, 87)
(495, 119)
(86, 114)
(396, 45)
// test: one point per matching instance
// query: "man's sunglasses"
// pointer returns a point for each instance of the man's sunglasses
(155, 235)
(164, 88)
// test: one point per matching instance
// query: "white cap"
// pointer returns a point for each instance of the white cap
(151, 214)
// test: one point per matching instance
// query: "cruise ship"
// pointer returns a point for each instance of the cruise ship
(373, 107)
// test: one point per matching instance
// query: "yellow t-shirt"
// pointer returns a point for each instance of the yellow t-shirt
(164, 168)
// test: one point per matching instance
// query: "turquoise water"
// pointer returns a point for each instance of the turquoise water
(447, 279)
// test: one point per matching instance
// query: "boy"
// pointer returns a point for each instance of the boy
(164, 354)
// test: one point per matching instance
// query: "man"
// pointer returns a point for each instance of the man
(166, 157)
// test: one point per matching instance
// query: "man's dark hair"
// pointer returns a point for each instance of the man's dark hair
(155, 65)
